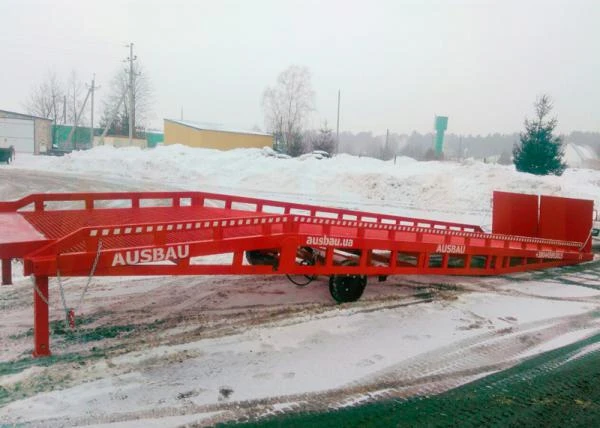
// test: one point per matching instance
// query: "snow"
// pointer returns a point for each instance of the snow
(339, 347)
(458, 191)
(578, 155)
(311, 355)
(566, 339)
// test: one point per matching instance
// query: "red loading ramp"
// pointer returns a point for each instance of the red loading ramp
(54, 222)
(275, 237)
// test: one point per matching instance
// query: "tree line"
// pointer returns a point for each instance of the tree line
(290, 101)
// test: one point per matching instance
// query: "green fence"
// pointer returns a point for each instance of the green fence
(80, 139)
(153, 138)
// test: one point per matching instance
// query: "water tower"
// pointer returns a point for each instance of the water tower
(441, 124)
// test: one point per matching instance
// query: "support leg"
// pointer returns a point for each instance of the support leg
(6, 271)
(41, 328)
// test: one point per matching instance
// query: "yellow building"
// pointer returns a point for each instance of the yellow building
(212, 137)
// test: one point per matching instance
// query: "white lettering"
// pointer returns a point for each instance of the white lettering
(132, 257)
(327, 241)
(171, 254)
(450, 248)
(183, 251)
(558, 255)
(159, 255)
(147, 255)
(118, 260)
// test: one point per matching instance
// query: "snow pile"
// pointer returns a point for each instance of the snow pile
(449, 190)
(577, 156)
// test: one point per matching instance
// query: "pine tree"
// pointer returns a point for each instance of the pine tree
(539, 151)
(324, 140)
(296, 146)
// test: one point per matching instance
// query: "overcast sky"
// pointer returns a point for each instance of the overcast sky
(397, 63)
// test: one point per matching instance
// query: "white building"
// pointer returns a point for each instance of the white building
(26, 133)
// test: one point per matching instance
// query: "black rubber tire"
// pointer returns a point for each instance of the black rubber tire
(259, 257)
(347, 288)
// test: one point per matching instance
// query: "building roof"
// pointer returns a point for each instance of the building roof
(215, 127)
(25, 116)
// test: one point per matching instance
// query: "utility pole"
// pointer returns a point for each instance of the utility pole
(92, 88)
(131, 58)
(113, 115)
(64, 109)
(337, 131)
(77, 116)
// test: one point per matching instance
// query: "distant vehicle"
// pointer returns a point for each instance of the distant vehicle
(268, 151)
(7, 154)
(315, 154)
(321, 153)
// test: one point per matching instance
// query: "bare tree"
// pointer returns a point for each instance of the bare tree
(142, 94)
(288, 104)
(47, 99)
(76, 93)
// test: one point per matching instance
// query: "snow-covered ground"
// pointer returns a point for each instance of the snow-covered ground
(578, 156)
(230, 347)
(457, 191)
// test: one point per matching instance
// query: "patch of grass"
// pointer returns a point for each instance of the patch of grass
(83, 335)
(443, 286)
(108, 331)
(46, 382)
(59, 327)
(62, 330)
(425, 295)
(41, 382)
(17, 366)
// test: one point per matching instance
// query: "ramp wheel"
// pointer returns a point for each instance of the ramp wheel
(347, 288)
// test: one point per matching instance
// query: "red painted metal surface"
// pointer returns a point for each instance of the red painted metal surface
(567, 219)
(515, 214)
(41, 326)
(17, 236)
(161, 233)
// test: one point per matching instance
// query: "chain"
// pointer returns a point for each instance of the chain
(92, 271)
(70, 312)
(587, 240)
(37, 290)
(62, 292)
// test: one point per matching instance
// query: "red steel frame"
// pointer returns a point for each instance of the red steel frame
(375, 244)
